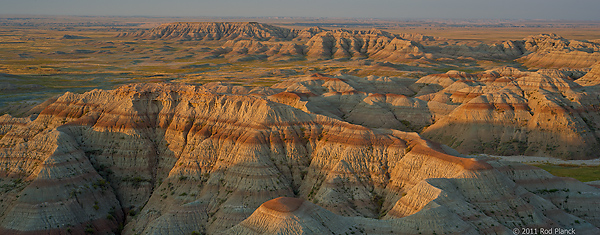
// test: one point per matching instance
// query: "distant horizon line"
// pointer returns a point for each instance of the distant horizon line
(302, 17)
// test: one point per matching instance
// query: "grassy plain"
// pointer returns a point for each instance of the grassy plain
(39, 60)
(581, 173)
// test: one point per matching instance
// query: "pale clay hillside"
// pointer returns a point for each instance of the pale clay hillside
(312, 153)
(190, 158)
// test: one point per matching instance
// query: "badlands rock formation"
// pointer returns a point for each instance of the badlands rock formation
(591, 78)
(338, 44)
(361, 44)
(553, 51)
(507, 50)
(509, 112)
(377, 102)
(540, 51)
(502, 111)
(177, 159)
(214, 31)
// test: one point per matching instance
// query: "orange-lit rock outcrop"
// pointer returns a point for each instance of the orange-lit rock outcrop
(171, 159)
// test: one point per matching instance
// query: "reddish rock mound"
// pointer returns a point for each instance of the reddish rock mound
(283, 204)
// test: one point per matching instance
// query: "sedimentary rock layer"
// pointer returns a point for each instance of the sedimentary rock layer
(215, 31)
(502, 111)
(173, 159)
(539, 51)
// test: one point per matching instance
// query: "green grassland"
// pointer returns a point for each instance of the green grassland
(581, 173)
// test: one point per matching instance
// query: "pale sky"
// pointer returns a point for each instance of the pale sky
(419, 9)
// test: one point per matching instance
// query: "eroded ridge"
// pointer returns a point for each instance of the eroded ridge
(169, 158)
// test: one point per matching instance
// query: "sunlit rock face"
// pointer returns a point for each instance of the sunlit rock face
(243, 43)
(502, 111)
(591, 78)
(173, 159)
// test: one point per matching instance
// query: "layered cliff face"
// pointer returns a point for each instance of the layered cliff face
(215, 31)
(362, 44)
(539, 51)
(553, 51)
(507, 50)
(339, 44)
(502, 111)
(526, 113)
(591, 78)
(376, 102)
(173, 159)
(243, 44)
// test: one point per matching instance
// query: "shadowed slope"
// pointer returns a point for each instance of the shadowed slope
(181, 159)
